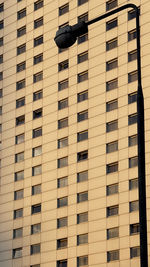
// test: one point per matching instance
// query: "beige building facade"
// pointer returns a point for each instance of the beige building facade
(68, 132)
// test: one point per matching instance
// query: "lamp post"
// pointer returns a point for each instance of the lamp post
(66, 37)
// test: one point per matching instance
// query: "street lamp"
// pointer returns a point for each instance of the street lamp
(66, 37)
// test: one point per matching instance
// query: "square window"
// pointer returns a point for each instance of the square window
(82, 38)
(111, 24)
(62, 263)
(35, 228)
(63, 103)
(82, 96)
(35, 249)
(83, 17)
(37, 132)
(112, 255)
(83, 155)
(82, 176)
(18, 194)
(111, 85)
(132, 76)
(63, 123)
(38, 22)
(63, 85)
(2, 7)
(62, 202)
(62, 243)
(37, 113)
(134, 252)
(37, 95)
(36, 170)
(112, 64)
(132, 35)
(38, 40)
(112, 211)
(62, 222)
(20, 84)
(133, 184)
(36, 189)
(111, 44)
(38, 77)
(134, 228)
(111, 105)
(83, 57)
(134, 206)
(21, 31)
(63, 65)
(19, 176)
(18, 213)
(83, 76)
(112, 189)
(81, 197)
(19, 139)
(63, 142)
(62, 182)
(1, 59)
(111, 4)
(132, 14)
(82, 239)
(21, 49)
(132, 55)
(133, 140)
(38, 58)
(111, 147)
(1, 76)
(112, 167)
(38, 4)
(111, 126)
(17, 253)
(17, 233)
(1, 24)
(63, 9)
(133, 162)
(132, 119)
(21, 13)
(36, 208)
(19, 157)
(82, 217)
(36, 151)
(132, 98)
(112, 232)
(62, 162)
(1, 93)
(1, 41)
(83, 115)
(20, 102)
(81, 2)
(21, 66)
(82, 261)
(82, 136)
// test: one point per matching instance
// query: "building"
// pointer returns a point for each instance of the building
(68, 123)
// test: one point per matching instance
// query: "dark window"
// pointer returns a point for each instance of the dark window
(112, 167)
(1, 76)
(112, 232)
(132, 76)
(19, 176)
(20, 102)
(81, 2)
(35, 265)
(82, 96)
(37, 132)
(1, 41)
(21, 31)
(112, 211)
(83, 17)
(112, 189)
(113, 84)
(134, 252)
(82, 217)
(20, 120)
(132, 35)
(111, 147)
(36, 170)
(62, 202)
(111, 4)
(1, 93)
(18, 213)
(62, 222)
(132, 119)
(38, 58)
(82, 239)
(112, 64)
(132, 98)
(21, 49)
(63, 25)
(19, 1)
(62, 162)
(82, 176)
(17, 233)
(132, 55)
(36, 208)
(111, 126)
(133, 162)
(21, 13)
(111, 44)
(38, 22)
(37, 113)
(81, 197)
(133, 140)
(62, 263)
(35, 249)
(18, 194)
(35, 228)
(134, 206)
(21, 66)
(63, 103)
(82, 261)
(17, 253)
(83, 115)
(83, 76)
(63, 85)
(62, 243)
(63, 142)
(82, 136)
(63, 65)
(111, 24)
(37, 95)
(1, 59)
(82, 57)
(19, 139)
(134, 228)
(1, 24)
(63, 9)
(83, 155)
(2, 7)
(36, 189)
(132, 13)
(38, 4)
(111, 105)
(38, 40)
(20, 84)
(62, 182)
(19, 157)
(112, 255)
(82, 38)
(38, 77)
(133, 184)
(62, 123)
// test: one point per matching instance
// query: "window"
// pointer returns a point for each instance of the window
(0, 110)
(38, 95)
(111, 44)
(19, 1)
(83, 155)
(37, 132)
(81, 197)
(0, 130)
(111, 147)
(132, 119)
(1, 41)
(62, 202)
(82, 96)
(81, 2)
(21, 49)
(18, 194)
(82, 239)
(111, 105)
(112, 167)
(36, 170)
(21, 66)
(19, 176)
(132, 98)
(38, 22)
(112, 232)
(62, 263)
(20, 102)
(132, 76)
(134, 228)
(83, 76)
(38, 4)
(1, 24)
(62, 243)
(1, 93)
(83, 38)
(133, 162)
(62, 222)
(1, 76)
(38, 58)
(17, 233)
(112, 64)
(111, 126)
(63, 103)
(112, 255)
(82, 57)
(132, 55)
(35, 249)
(19, 157)
(2, 7)
(21, 31)
(134, 205)
(63, 9)
(38, 40)
(20, 84)
(37, 113)
(83, 115)
(132, 35)
(63, 123)
(36, 189)
(112, 189)
(62, 162)
(111, 24)
(133, 184)
(111, 4)
(134, 252)
(82, 136)
(1, 59)
(35, 228)
(82, 176)
(36, 208)
(82, 217)
(111, 85)
(63, 65)
(83, 17)
(17, 253)
(38, 77)
(64, 25)
(21, 13)
(18, 213)
(63, 142)
(82, 261)
(63, 85)
(36, 151)
(112, 211)
(132, 13)
(35, 265)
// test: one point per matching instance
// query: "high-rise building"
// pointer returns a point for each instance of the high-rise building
(68, 134)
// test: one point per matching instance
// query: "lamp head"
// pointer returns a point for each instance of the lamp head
(67, 36)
